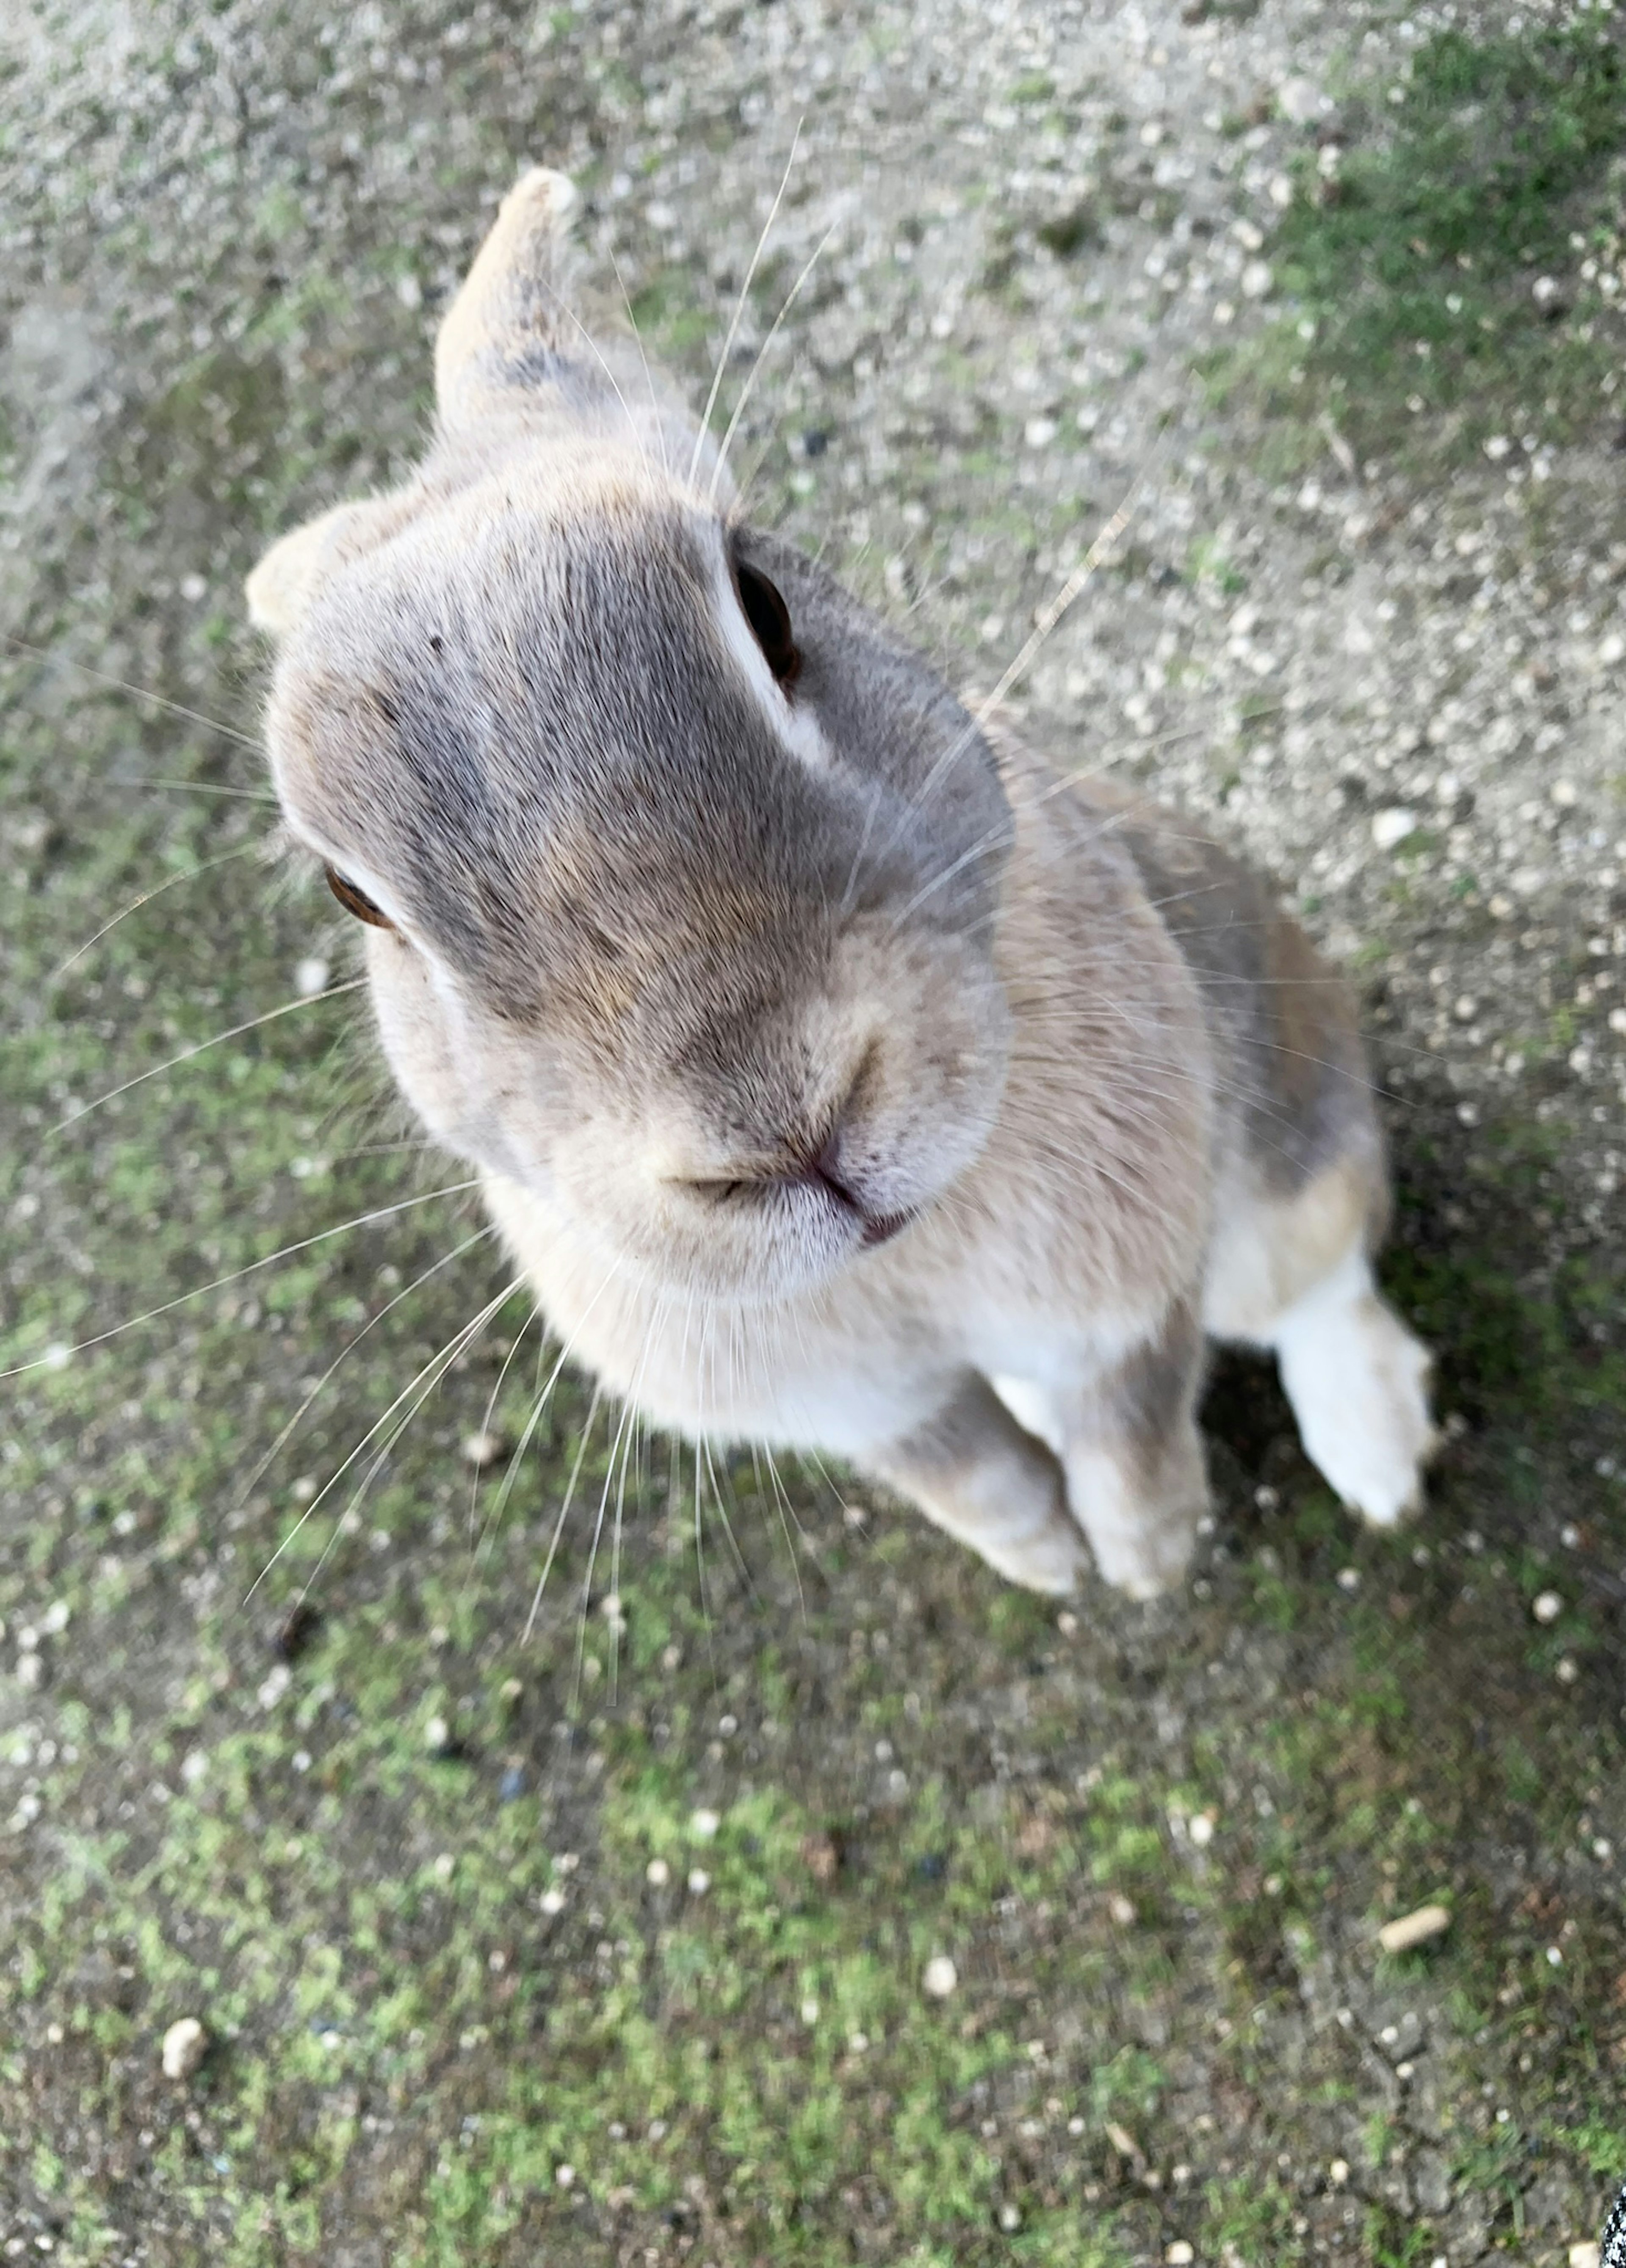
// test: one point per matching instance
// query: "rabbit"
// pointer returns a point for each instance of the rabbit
(843, 1076)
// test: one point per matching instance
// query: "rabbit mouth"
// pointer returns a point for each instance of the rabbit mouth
(885, 1226)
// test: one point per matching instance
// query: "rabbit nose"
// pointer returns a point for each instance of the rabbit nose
(826, 1170)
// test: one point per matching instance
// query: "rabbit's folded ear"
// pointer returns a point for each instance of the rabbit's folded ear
(511, 313)
(297, 564)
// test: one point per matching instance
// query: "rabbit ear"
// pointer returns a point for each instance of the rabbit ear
(296, 565)
(511, 310)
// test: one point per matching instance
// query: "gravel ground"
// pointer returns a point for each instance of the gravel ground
(811, 1899)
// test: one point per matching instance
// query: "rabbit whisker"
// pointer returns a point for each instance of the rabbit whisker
(254, 1023)
(137, 692)
(740, 309)
(204, 866)
(55, 1360)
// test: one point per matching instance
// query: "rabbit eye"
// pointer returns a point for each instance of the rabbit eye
(770, 618)
(357, 901)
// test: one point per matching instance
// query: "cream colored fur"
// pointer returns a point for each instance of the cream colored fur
(841, 1078)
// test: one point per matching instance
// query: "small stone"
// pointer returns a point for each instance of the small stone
(1392, 826)
(822, 1855)
(1586, 2254)
(810, 2013)
(1039, 432)
(1547, 1606)
(186, 2043)
(1180, 2254)
(1202, 1830)
(1497, 447)
(939, 1977)
(1406, 1930)
(1349, 1579)
(704, 1825)
(699, 1881)
(1257, 280)
(552, 1901)
(1010, 2218)
(1338, 2172)
(1567, 1671)
(193, 587)
(565, 2176)
(1299, 100)
(310, 977)
(482, 1449)
(436, 1736)
(1612, 649)
(1122, 1910)
(657, 1874)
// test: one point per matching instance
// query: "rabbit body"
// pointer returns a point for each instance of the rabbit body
(842, 1076)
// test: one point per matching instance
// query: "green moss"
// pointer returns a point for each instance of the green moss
(1416, 265)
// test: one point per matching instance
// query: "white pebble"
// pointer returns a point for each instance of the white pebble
(552, 1901)
(1612, 649)
(1547, 1606)
(310, 977)
(1257, 280)
(482, 1449)
(1299, 100)
(704, 1825)
(565, 2175)
(1202, 1830)
(1349, 1579)
(657, 1874)
(1586, 2254)
(1180, 2254)
(1392, 826)
(1338, 2172)
(939, 1977)
(699, 1881)
(1010, 2218)
(810, 2013)
(193, 587)
(1567, 1671)
(1406, 1930)
(436, 1733)
(186, 2043)
(1039, 432)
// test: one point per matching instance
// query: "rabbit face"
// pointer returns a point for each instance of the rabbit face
(681, 874)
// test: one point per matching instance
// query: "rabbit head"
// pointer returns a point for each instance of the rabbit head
(679, 870)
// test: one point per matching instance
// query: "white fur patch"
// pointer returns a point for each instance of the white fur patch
(1356, 1379)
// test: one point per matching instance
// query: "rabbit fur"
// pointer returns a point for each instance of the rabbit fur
(843, 1076)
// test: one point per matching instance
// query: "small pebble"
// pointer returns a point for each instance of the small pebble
(1392, 826)
(1257, 280)
(552, 1901)
(1406, 1930)
(810, 2013)
(699, 1881)
(1122, 1910)
(1202, 1830)
(1547, 1606)
(1586, 2254)
(482, 1449)
(1349, 1579)
(938, 1977)
(1567, 1671)
(704, 1825)
(437, 1735)
(1180, 2254)
(565, 2175)
(186, 2043)
(1338, 2172)
(657, 1874)
(310, 977)
(1010, 2218)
